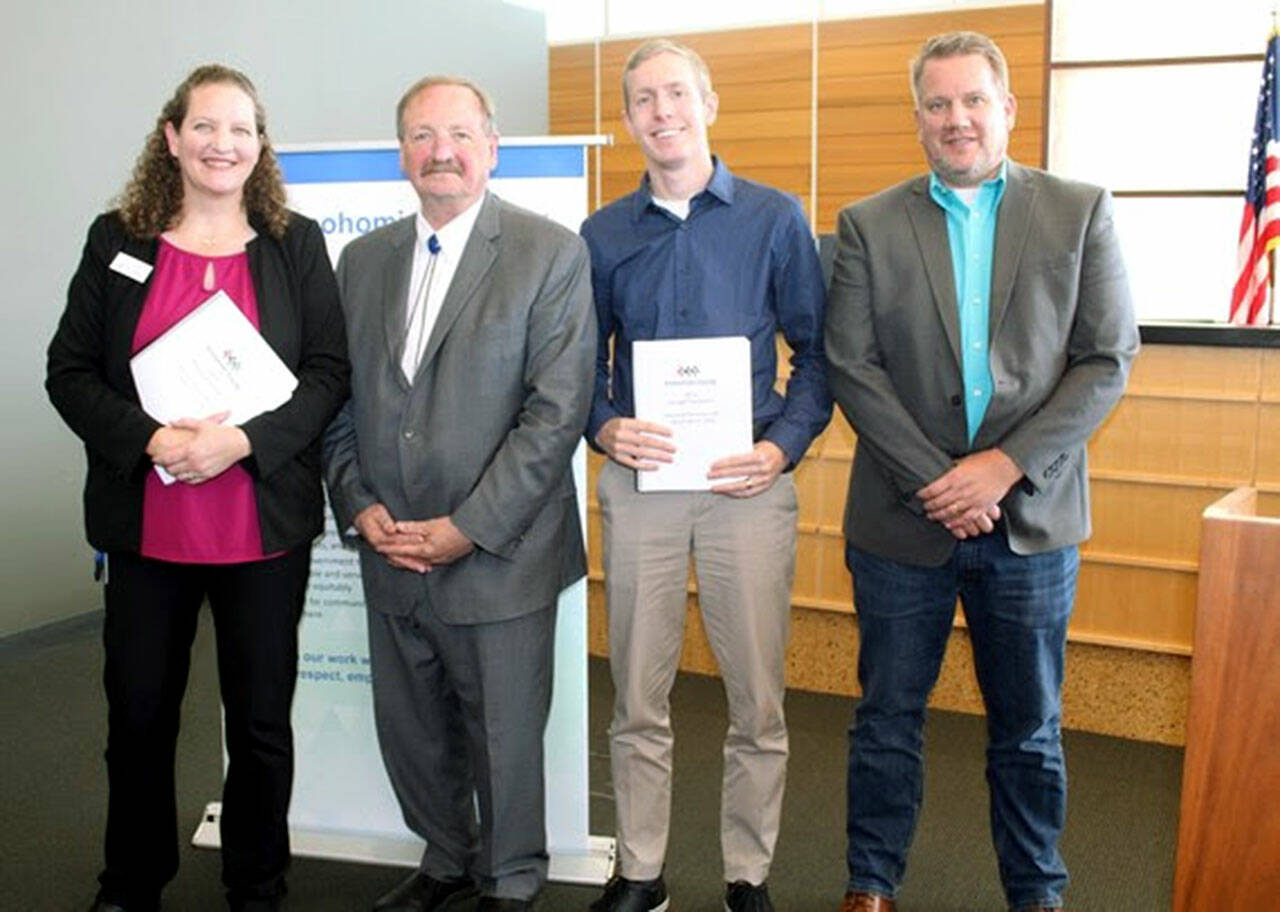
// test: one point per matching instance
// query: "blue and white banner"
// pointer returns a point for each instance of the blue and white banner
(353, 189)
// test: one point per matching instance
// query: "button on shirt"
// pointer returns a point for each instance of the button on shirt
(742, 263)
(971, 230)
(453, 240)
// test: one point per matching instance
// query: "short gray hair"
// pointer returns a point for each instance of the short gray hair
(426, 82)
(958, 44)
(656, 46)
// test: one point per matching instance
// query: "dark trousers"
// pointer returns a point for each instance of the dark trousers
(151, 612)
(460, 711)
(1017, 608)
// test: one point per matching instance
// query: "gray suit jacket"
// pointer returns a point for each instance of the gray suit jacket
(1062, 336)
(486, 431)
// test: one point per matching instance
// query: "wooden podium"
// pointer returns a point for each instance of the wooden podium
(1229, 834)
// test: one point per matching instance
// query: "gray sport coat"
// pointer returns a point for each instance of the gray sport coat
(486, 431)
(1062, 337)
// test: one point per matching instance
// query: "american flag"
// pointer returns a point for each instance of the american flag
(1260, 227)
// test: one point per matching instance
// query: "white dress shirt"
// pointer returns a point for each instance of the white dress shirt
(420, 315)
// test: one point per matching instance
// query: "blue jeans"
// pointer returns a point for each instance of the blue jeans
(1017, 608)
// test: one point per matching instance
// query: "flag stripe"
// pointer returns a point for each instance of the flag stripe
(1260, 222)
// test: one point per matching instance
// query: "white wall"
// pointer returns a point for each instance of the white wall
(84, 83)
(1180, 132)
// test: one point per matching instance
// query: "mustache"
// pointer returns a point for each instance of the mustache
(439, 168)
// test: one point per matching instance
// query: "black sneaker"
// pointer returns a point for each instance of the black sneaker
(622, 895)
(741, 896)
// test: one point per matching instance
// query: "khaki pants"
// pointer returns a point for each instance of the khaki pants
(744, 558)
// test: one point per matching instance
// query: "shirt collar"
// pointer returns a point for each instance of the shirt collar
(453, 236)
(940, 191)
(720, 186)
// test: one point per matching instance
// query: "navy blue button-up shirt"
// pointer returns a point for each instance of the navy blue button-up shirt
(742, 264)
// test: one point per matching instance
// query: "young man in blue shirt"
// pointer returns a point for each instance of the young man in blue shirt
(696, 252)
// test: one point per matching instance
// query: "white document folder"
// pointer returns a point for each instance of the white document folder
(212, 360)
(701, 390)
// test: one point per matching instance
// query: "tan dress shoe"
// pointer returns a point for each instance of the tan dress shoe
(857, 901)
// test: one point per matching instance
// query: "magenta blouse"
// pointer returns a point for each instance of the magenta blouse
(215, 522)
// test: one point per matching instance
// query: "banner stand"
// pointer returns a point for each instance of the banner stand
(343, 807)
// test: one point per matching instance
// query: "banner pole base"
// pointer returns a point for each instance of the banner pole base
(592, 867)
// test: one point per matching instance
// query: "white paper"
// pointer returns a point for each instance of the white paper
(701, 390)
(212, 360)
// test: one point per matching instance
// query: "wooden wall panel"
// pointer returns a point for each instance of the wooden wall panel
(864, 96)
(830, 483)
(808, 583)
(838, 440)
(1138, 607)
(1154, 523)
(1189, 428)
(998, 20)
(1178, 439)
(1196, 372)
(572, 77)
(1271, 375)
(1269, 446)
(842, 52)
(808, 482)
(571, 84)
(835, 586)
(1269, 423)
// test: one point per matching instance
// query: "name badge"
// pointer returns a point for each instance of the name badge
(130, 266)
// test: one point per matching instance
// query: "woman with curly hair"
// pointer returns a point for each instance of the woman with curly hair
(204, 212)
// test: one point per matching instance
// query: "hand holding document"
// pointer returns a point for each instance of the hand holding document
(212, 360)
(701, 390)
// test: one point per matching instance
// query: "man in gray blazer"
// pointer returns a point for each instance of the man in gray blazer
(472, 341)
(979, 329)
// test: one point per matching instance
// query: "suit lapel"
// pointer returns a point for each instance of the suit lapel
(399, 268)
(477, 258)
(1012, 226)
(929, 223)
(135, 296)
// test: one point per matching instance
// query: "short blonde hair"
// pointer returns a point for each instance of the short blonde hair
(656, 46)
(958, 44)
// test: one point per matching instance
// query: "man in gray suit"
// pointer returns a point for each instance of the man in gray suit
(979, 329)
(472, 341)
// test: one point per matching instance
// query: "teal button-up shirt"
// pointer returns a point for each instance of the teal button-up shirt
(971, 229)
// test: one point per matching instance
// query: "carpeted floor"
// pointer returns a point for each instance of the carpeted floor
(1119, 842)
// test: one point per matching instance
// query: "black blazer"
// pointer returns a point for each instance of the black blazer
(91, 386)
